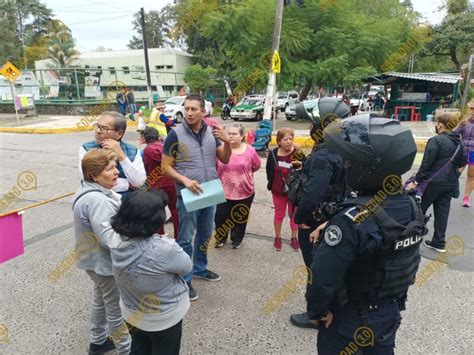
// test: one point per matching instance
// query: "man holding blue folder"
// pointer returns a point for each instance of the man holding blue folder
(189, 157)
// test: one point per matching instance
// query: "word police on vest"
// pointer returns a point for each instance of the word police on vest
(408, 242)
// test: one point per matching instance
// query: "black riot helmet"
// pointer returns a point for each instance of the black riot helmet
(329, 109)
(377, 148)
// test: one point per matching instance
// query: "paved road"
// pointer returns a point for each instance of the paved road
(47, 318)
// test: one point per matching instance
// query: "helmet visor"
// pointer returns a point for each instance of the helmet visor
(356, 130)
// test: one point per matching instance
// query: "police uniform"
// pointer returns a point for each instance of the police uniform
(323, 190)
(325, 187)
(351, 259)
(368, 254)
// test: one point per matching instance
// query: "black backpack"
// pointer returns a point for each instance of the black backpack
(295, 185)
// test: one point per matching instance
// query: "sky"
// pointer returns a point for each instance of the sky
(109, 23)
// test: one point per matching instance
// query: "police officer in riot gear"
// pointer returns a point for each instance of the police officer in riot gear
(324, 189)
(368, 252)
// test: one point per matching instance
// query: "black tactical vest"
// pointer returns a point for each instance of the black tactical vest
(396, 264)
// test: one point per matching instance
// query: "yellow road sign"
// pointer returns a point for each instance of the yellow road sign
(9, 71)
(276, 62)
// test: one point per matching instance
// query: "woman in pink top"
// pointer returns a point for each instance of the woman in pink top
(239, 190)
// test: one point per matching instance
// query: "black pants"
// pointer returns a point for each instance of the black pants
(164, 342)
(232, 216)
(440, 197)
(307, 248)
(345, 332)
(305, 245)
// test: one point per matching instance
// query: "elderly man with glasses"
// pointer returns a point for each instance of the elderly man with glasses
(109, 131)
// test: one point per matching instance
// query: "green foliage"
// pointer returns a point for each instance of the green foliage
(453, 38)
(157, 29)
(326, 43)
(61, 46)
(22, 25)
(456, 7)
(199, 78)
(9, 48)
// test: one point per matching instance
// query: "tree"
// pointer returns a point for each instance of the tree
(408, 4)
(334, 45)
(456, 7)
(156, 26)
(199, 78)
(9, 48)
(61, 47)
(27, 19)
(453, 38)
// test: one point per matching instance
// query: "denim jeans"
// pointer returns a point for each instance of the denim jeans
(201, 223)
(133, 108)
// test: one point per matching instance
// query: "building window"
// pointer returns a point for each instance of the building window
(112, 70)
(99, 67)
(169, 67)
(169, 88)
(86, 66)
(126, 70)
(158, 67)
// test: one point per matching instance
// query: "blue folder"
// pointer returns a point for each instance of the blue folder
(213, 194)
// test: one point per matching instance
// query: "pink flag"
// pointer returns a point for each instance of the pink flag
(11, 237)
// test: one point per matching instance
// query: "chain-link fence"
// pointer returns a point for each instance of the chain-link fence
(90, 85)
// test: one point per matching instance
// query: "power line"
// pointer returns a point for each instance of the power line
(101, 20)
(84, 5)
(93, 12)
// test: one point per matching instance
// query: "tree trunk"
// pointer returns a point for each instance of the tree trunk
(306, 89)
(454, 58)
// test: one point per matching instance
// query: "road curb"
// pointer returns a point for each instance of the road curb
(307, 142)
(27, 130)
(303, 141)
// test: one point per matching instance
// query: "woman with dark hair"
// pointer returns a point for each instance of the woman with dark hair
(239, 189)
(444, 156)
(149, 266)
(279, 164)
(94, 204)
(156, 180)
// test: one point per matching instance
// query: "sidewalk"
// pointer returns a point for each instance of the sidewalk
(44, 124)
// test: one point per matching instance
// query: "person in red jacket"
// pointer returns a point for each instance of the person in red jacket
(156, 179)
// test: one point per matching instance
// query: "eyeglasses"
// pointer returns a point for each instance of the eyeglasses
(102, 129)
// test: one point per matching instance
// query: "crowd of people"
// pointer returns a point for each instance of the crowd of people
(140, 269)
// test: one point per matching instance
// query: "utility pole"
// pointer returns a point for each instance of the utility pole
(147, 64)
(270, 95)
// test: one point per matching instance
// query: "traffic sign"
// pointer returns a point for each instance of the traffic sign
(9, 71)
(276, 62)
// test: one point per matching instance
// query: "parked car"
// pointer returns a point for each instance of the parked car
(174, 108)
(285, 99)
(250, 107)
(290, 112)
(310, 104)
